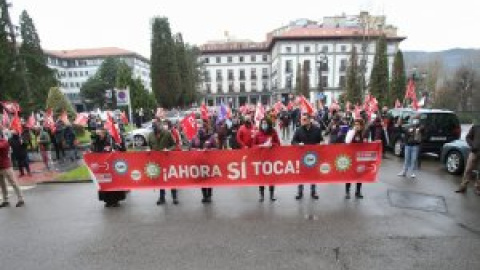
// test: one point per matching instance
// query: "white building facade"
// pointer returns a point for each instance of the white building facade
(75, 67)
(326, 52)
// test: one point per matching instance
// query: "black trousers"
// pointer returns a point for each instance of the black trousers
(358, 187)
(22, 163)
(207, 192)
(59, 149)
(313, 189)
(174, 193)
(262, 190)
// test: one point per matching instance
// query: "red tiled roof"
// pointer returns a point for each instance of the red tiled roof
(328, 32)
(88, 53)
(233, 46)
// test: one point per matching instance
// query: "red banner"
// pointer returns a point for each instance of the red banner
(280, 165)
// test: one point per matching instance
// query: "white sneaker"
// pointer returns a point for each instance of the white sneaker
(413, 175)
(402, 174)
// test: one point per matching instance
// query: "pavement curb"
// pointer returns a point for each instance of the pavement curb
(66, 182)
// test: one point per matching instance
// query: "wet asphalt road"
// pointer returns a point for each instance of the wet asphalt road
(65, 227)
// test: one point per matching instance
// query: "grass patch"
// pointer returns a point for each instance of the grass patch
(80, 173)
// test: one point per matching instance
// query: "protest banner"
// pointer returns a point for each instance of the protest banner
(281, 165)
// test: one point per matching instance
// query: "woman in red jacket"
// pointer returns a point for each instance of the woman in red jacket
(266, 137)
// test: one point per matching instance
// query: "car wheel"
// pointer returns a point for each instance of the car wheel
(398, 148)
(454, 162)
(139, 141)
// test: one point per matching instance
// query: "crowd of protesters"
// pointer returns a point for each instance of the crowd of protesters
(243, 128)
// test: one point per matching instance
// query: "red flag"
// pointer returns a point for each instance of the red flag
(81, 120)
(410, 93)
(16, 124)
(48, 121)
(290, 106)
(31, 121)
(112, 129)
(334, 105)
(259, 113)
(415, 105)
(189, 126)
(204, 111)
(278, 107)
(348, 106)
(124, 118)
(373, 104)
(357, 111)
(11, 107)
(398, 104)
(64, 118)
(5, 118)
(306, 106)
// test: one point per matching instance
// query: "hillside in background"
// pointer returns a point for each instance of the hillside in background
(451, 59)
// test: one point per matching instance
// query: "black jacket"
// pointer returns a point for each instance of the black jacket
(313, 135)
(473, 138)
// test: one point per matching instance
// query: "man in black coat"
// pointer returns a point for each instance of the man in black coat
(308, 134)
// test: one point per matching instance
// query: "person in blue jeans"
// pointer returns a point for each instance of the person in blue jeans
(413, 139)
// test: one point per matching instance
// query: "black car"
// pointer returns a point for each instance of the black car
(441, 127)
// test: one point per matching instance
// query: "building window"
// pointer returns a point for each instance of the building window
(306, 49)
(288, 49)
(86, 73)
(342, 81)
(242, 74)
(206, 75)
(324, 48)
(288, 66)
(264, 73)
(242, 87)
(240, 59)
(324, 81)
(219, 88)
(254, 86)
(69, 74)
(343, 65)
(206, 60)
(343, 48)
(265, 58)
(253, 74)
(253, 58)
(219, 60)
(230, 75)
(72, 85)
(229, 59)
(230, 87)
(265, 86)
(363, 65)
(209, 88)
(219, 75)
(81, 73)
(306, 65)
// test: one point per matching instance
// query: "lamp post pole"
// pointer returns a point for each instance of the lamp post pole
(321, 64)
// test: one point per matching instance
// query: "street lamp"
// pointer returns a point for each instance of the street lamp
(322, 65)
(289, 81)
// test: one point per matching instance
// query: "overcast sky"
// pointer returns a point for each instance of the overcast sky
(70, 24)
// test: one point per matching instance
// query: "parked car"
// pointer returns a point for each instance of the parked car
(454, 156)
(441, 127)
(138, 137)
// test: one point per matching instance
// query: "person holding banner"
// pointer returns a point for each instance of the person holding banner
(266, 137)
(355, 135)
(308, 134)
(162, 140)
(245, 133)
(102, 142)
